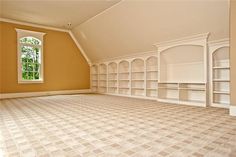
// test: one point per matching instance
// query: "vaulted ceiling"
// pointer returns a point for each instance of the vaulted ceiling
(133, 26)
(112, 28)
(52, 12)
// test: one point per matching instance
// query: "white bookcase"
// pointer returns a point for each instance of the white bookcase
(151, 76)
(180, 72)
(94, 78)
(137, 77)
(124, 78)
(182, 66)
(102, 88)
(112, 78)
(219, 73)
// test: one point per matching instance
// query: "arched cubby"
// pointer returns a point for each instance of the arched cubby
(112, 77)
(124, 77)
(219, 74)
(137, 77)
(151, 76)
(102, 78)
(94, 78)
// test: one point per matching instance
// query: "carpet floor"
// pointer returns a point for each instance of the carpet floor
(100, 125)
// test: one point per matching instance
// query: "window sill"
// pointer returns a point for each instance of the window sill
(30, 81)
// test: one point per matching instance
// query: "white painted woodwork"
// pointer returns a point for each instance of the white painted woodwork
(176, 73)
(219, 73)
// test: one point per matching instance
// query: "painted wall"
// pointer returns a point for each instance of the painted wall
(64, 66)
(233, 51)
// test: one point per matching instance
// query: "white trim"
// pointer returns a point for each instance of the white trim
(44, 93)
(80, 47)
(213, 47)
(232, 111)
(33, 25)
(183, 41)
(127, 57)
(39, 35)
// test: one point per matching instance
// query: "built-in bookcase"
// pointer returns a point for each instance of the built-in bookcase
(102, 78)
(137, 77)
(112, 78)
(151, 76)
(220, 73)
(124, 78)
(179, 72)
(94, 78)
(182, 66)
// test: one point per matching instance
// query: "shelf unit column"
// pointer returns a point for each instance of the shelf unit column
(145, 78)
(130, 78)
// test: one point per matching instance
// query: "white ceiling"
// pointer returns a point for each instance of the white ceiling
(128, 26)
(133, 26)
(52, 12)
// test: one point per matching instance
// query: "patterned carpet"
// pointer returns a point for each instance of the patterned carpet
(100, 125)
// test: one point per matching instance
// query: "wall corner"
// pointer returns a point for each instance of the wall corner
(79, 47)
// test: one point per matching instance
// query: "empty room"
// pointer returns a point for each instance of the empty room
(118, 78)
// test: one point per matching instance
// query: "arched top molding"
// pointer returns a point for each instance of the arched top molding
(218, 44)
(196, 40)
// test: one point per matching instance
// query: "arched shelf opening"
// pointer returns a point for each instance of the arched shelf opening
(220, 76)
(185, 63)
(137, 77)
(102, 78)
(151, 76)
(94, 78)
(124, 78)
(112, 77)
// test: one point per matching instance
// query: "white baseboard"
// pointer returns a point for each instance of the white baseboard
(232, 110)
(45, 93)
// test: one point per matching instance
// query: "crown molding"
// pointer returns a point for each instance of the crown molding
(33, 25)
(182, 41)
(219, 42)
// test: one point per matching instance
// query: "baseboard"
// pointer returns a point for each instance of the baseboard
(45, 93)
(232, 110)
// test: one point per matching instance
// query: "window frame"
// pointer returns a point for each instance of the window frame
(21, 33)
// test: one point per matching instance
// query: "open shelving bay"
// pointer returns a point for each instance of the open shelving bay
(183, 75)
(124, 78)
(137, 77)
(151, 76)
(94, 78)
(219, 73)
(102, 85)
(112, 78)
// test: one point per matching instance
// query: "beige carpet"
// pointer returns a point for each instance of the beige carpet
(99, 125)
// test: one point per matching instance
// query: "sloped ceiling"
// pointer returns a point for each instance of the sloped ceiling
(133, 26)
(53, 12)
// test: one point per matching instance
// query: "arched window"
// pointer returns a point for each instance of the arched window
(30, 60)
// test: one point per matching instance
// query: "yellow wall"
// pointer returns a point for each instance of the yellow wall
(64, 66)
(233, 51)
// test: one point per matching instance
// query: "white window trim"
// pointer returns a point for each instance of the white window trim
(25, 33)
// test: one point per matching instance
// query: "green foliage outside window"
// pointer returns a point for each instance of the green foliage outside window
(30, 58)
